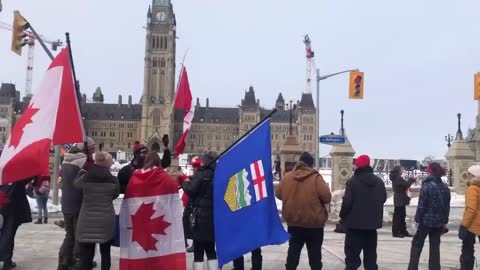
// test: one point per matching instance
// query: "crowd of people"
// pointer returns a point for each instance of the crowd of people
(89, 219)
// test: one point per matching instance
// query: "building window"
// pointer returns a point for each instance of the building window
(111, 145)
(129, 145)
(162, 62)
(155, 63)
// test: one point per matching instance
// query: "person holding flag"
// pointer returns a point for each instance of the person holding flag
(51, 118)
(200, 191)
(245, 210)
(151, 231)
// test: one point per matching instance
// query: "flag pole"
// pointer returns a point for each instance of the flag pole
(178, 83)
(268, 116)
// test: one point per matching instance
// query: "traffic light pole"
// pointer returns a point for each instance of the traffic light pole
(319, 78)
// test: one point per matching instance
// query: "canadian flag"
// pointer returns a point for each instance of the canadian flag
(183, 101)
(52, 117)
(151, 230)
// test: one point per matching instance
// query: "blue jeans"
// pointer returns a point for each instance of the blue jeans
(42, 205)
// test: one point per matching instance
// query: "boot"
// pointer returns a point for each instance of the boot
(414, 258)
(197, 265)
(60, 223)
(407, 234)
(467, 263)
(212, 265)
(45, 220)
(190, 249)
(9, 265)
(39, 221)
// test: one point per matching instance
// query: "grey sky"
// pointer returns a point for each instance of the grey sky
(419, 58)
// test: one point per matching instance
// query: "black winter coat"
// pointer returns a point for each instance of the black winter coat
(362, 206)
(200, 191)
(18, 208)
(126, 172)
(399, 186)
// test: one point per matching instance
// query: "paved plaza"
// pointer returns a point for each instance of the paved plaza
(37, 248)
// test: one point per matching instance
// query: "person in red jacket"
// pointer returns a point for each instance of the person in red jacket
(196, 164)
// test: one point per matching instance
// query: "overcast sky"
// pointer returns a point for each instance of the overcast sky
(419, 58)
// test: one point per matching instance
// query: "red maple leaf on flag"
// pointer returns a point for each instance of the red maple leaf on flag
(143, 227)
(25, 119)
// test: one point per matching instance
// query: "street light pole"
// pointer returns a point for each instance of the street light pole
(317, 143)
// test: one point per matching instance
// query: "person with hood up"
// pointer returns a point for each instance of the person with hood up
(71, 201)
(96, 222)
(199, 189)
(432, 215)
(304, 194)
(470, 227)
(362, 215)
(400, 200)
(140, 152)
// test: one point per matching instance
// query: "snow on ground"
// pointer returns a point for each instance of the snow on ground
(51, 208)
(457, 200)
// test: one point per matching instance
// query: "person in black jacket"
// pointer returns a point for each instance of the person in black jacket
(15, 213)
(362, 215)
(400, 201)
(200, 191)
(140, 152)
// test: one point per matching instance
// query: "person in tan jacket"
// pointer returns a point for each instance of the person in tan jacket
(304, 194)
(470, 227)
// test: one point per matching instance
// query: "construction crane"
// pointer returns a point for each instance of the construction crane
(310, 62)
(30, 41)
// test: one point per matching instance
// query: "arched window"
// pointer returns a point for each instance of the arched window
(155, 63)
(162, 62)
(166, 43)
(158, 42)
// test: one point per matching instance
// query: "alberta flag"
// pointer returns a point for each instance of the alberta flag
(245, 212)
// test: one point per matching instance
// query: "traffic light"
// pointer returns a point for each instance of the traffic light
(476, 86)
(356, 85)
(20, 24)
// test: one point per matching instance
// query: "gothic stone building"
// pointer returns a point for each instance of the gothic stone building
(117, 126)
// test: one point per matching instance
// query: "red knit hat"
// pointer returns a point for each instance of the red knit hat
(362, 161)
(196, 162)
(137, 147)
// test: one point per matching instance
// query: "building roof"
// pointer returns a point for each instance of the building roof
(281, 116)
(216, 115)
(98, 95)
(112, 112)
(8, 90)
(249, 99)
(307, 101)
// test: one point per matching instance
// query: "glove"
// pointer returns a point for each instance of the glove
(462, 232)
(165, 140)
(88, 164)
(4, 200)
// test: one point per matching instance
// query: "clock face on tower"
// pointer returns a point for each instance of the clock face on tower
(161, 16)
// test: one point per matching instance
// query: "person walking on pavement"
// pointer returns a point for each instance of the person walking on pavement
(304, 194)
(15, 213)
(432, 216)
(238, 263)
(199, 189)
(362, 215)
(140, 152)
(470, 226)
(96, 221)
(41, 187)
(73, 162)
(401, 199)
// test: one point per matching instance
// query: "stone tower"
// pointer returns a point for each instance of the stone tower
(159, 81)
